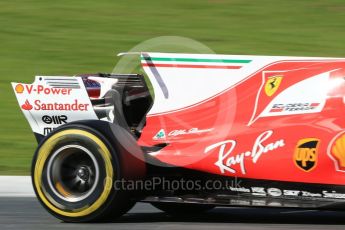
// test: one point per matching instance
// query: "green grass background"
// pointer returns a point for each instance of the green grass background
(46, 37)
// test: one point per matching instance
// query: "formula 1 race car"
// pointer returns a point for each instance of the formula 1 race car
(197, 131)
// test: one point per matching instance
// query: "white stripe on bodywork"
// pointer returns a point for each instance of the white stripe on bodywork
(186, 87)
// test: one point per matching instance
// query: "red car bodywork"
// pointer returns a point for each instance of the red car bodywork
(229, 113)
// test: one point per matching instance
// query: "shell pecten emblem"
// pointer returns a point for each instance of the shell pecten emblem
(19, 88)
(272, 85)
(338, 152)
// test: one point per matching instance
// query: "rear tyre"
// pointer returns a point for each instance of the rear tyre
(73, 174)
(177, 209)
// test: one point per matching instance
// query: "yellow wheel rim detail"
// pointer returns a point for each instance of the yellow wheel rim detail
(44, 153)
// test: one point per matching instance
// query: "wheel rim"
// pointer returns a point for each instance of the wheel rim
(72, 173)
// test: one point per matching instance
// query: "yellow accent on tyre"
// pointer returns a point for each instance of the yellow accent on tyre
(42, 156)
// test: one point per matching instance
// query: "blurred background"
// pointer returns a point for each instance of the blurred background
(65, 37)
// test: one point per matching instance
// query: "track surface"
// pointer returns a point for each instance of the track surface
(26, 213)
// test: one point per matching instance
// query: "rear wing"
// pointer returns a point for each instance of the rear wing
(53, 101)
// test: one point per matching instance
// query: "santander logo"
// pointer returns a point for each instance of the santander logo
(38, 105)
(228, 158)
(27, 105)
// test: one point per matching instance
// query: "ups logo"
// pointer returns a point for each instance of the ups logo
(306, 154)
(272, 85)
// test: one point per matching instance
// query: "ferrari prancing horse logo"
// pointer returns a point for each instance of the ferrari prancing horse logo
(272, 85)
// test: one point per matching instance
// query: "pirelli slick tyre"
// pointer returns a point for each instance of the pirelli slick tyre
(177, 209)
(73, 173)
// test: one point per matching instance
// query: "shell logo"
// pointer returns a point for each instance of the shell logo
(337, 152)
(19, 88)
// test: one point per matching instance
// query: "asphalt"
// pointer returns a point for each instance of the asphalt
(26, 213)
